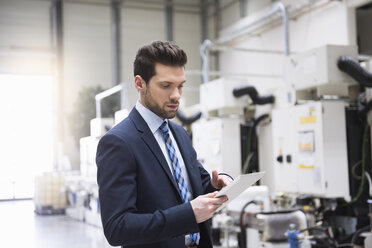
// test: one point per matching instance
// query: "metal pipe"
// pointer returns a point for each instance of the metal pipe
(231, 74)
(123, 97)
(204, 53)
(103, 95)
(204, 49)
(214, 47)
(278, 7)
(208, 46)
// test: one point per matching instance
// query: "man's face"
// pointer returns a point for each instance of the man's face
(163, 92)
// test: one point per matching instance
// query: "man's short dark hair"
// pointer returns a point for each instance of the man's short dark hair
(162, 52)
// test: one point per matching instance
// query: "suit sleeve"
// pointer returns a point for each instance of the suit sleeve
(122, 224)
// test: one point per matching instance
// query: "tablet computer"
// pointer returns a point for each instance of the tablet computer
(238, 186)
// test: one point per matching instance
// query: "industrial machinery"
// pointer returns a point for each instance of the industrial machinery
(315, 149)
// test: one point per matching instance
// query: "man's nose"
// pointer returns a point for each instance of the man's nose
(176, 94)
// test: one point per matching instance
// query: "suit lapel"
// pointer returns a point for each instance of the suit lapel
(148, 137)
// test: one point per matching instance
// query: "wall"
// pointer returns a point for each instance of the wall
(25, 40)
(87, 49)
(137, 31)
(86, 60)
(25, 46)
(188, 36)
(138, 27)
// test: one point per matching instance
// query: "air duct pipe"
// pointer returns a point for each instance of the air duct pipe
(278, 7)
(122, 87)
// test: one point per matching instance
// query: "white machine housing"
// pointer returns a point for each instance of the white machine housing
(317, 68)
(216, 97)
(88, 150)
(310, 151)
(98, 126)
(217, 142)
(120, 115)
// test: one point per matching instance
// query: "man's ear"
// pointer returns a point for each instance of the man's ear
(139, 83)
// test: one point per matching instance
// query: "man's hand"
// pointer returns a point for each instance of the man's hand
(204, 206)
(219, 181)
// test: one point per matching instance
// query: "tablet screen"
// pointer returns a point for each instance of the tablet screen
(238, 186)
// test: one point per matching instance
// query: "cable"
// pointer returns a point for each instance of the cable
(250, 139)
(314, 228)
(323, 242)
(329, 241)
(355, 237)
(361, 187)
(368, 176)
(358, 232)
(242, 230)
(353, 170)
(225, 174)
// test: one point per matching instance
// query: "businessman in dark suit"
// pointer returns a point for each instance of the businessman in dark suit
(153, 192)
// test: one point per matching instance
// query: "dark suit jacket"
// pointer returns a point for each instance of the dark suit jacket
(140, 202)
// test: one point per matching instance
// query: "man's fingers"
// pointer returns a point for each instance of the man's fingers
(214, 175)
(210, 195)
(218, 200)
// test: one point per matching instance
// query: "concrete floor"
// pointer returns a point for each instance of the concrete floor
(21, 227)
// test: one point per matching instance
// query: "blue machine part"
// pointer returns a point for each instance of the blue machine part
(292, 238)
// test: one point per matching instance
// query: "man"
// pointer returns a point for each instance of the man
(152, 190)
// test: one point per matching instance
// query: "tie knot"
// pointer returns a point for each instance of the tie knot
(163, 128)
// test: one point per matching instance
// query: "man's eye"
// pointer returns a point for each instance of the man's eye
(180, 87)
(165, 86)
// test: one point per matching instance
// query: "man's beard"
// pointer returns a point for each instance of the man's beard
(156, 108)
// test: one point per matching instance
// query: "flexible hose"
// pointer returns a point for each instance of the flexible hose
(354, 70)
(188, 120)
(253, 94)
(256, 123)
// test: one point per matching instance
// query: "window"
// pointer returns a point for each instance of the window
(26, 131)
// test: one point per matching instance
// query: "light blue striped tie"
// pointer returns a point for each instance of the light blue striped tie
(177, 172)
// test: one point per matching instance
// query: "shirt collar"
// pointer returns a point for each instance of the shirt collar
(152, 119)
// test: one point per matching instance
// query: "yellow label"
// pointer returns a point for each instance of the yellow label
(307, 207)
(308, 119)
(305, 147)
(302, 166)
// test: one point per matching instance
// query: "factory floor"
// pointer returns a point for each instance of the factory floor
(21, 227)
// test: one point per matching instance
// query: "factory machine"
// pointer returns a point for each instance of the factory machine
(312, 137)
